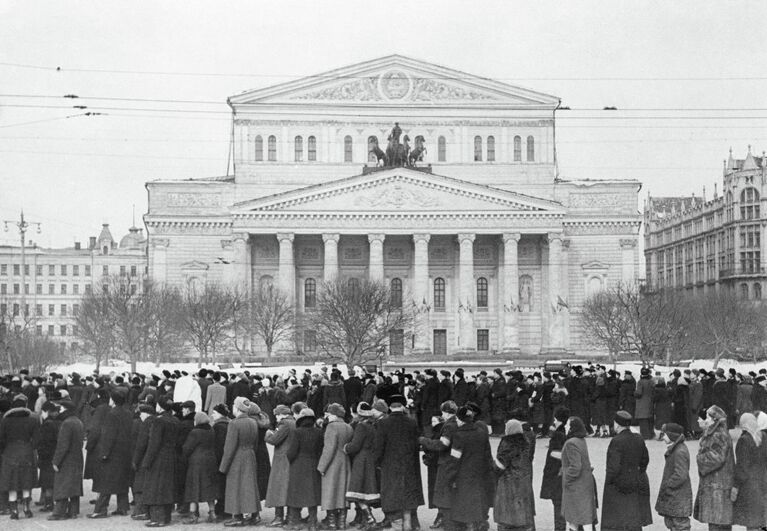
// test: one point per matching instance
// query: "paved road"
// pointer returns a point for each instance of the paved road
(544, 518)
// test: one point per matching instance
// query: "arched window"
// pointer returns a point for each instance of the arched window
(395, 289)
(749, 203)
(491, 149)
(744, 291)
(478, 149)
(312, 154)
(530, 149)
(347, 148)
(758, 291)
(517, 149)
(265, 282)
(259, 148)
(439, 294)
(441, 149)
(272, 148)
(729, 212)
(481, 292)
(310, 293)
(594, 286)
(299, 148)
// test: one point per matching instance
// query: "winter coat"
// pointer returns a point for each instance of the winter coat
(220, 427)
(187, 388)
(743, 403)
(441, 447)
(19, 437)
(626, 401)
(469, 467)
(333, 393)
(49, 432)
(68, 457)
(721, 396)
(759, 398)
(369, 392)
(92, 433)
(239, 465)
(263, 465)
(750, 472)
(681, 400)
(334, 465)
(159, 461)
(114, 452)
(199, 453)
(716, 468)
(643, 395)
(214, 395)
(280, 438)
(363, 483)
(140, 442)
(578, 486)
(304, 456)
(396, 452)
(514, 500)
(675, 493)
(551, 484)
(662, 405)
(483, 401)
(460, 392)
(626, 499)
(353, 391)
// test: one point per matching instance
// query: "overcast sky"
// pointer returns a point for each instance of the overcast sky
(73, 174)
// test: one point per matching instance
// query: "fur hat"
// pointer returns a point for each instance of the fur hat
(201, 418)
(513, 427)
(465, 414)
(304, 413)
(222, 409)
(336, 409)
(364, 409)
(241, 404)
(673, 431)
(449, 407)
(380, 405)
(623, 418)
(282, 409)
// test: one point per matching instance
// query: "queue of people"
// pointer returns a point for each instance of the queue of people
(196, 445)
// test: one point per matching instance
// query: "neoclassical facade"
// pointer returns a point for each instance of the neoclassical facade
(479, 235)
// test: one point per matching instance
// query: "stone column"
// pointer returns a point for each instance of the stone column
(376, 259)
(466, 293)
(241, 261)
(556, 308)
(287, 270)
(330, 269)
(159, 264)
(510, 297)
(421, 293)
(628, 270)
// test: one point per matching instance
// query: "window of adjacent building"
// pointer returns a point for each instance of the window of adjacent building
(87, 288)
(26, 310)
(63, 289)
(16, 289)
(133, 289)
(744, 291)
(298, 144)
(87, 271)
(105, 270)
(75, 309)
(51, 289)
(397, 342)
(259, 148)
(51, 270)
(64, 309)
(311, 149)
(310, 293)
(39, 270)
(26, 289)
(4, 269)
(395, 292)
(758, 291)
(749, 203)
(483, 339)
(477, 148)
(491, 149)
(75, 289)
(63, 330)
(15, 310)
(16, 269)
(3, 309)
(51, 310)
(3, 289)
(133, 271)
(272, 148)
(39, 310)
(75, 270)
(39, 330)
(440, 342)
(122, 271)
(310, 341)
(439, 294)
(441, 149)
(63, 270)
(74, 333)
(51, 330)
(530, 149)
(517, 149)
(347, 148)
(481, 292)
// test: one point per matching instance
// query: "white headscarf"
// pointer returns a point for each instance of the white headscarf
(749, 423)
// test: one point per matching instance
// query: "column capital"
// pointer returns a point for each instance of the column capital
(376, 238)
(554, 237)
(331, 237)
(237, 236)
(628, 243)
(282, 236)
(511, 236)
(421, 237)
(466, 236)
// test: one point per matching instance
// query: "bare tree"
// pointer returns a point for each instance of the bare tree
(354, 322)
(15, 323)
(37, 353)
(165, 333)
(130, 315)
(207, 317)
(272, 316)
(95, 325)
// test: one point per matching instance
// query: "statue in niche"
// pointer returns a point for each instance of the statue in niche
(526, 293)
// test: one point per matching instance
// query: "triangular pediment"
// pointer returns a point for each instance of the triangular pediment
(595, 265)
(399, 190)
(396, 80)
(194, 265)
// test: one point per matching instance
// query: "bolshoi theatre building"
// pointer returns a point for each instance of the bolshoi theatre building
(442, 184)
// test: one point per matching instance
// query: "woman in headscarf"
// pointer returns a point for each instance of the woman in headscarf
(363, 485)
(514, 508)
(716, 468)
(19, 436)
(200, 457)
(305, 481)
(220, 417)
(750, 472)
(579, 493)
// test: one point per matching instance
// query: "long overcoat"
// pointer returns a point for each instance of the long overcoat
(280, 438)
(140, 443)
(68, 457)
(551, 483)
(239, 465)
(716, 469)
(49, 432)
(643, 396)
(220, 427)
(93, 431)
(396, 452)
(675, 492)
(334, 465)
(114, 452)
(363, 483)
(664, 412)
(468, 468)
(19, 437)
(304, 455)
(159, 461)
(748, 510)
(626, 499)
(441, 446)
(578, 486)
(514, 500)
(199, 454)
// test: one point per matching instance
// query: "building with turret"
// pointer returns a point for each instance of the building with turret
(697, 243)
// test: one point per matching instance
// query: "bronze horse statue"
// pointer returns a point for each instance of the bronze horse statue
(416, 155)
(376, 151)
(396, 153)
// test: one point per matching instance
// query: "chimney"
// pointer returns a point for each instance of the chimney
(77, 246)
(92, 243)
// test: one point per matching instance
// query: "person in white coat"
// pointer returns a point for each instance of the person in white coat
(187, 389)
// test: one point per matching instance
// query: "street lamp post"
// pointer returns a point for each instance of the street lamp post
(23, 225)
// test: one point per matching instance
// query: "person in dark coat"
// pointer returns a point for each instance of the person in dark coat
(363, 483)
(430, 402)
(662, 405)
(514, 507)
(263, 465)
(333, 392)
(304, 478)
(49, 432)
(19, 437)
(353, 391)
(681, 401)
(626, 499)
(281, 438)
(445, 388)
(716, 470)
(460, 388)
(140, 434)
(612, 396)
(674, 502)
(759, 394)
(722, 397)
(114, 451)
(67, 463)
(396, 453)
(159, 465)
(239, 465)
(369, 390)
(220, 417)
(579, 495)
(551, 484)
(750, 472)
(199, 455)
(498, 395)
(99, 407)
(440, 449)
(626, 400)
(643, 412)
(185, 412)
(483, 399)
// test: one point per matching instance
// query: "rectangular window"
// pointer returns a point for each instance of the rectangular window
(63, 309)
(63, 329)
(3, 289)
(105, 270)
(75, 270)
(133, 289)
(39, 270)
(75, 289)
(63, 289)
(87, 271)
(51, 289)
(39, 330)
(483, 339)
(397, 342)
(310, 341)
(51, 270)
(26, 310)
(15, 310)
(74, 333)
(63, 270)
(39, 310)
(4, 269)
(16, 289)
(87, 288)
(122, 271)
(16, 269)
(75, 309)
(50, 330)
(26, 289)
(440, 342)
(39, 289)
(3, 309)
(51, 310)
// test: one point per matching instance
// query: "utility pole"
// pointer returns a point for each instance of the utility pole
(23, 225)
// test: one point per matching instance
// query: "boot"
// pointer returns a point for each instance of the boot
(14, 506)
(415, 524)
(437, 522)
(368, 520)
(331, 520)
(48, 504)
(74, 507)
(341, 519)
(358, 521)
(27, 510)
(312, 521)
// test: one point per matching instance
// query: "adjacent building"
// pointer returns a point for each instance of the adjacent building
(477, 231)
(699, 244)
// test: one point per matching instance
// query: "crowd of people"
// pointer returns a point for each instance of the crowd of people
(188, 443)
